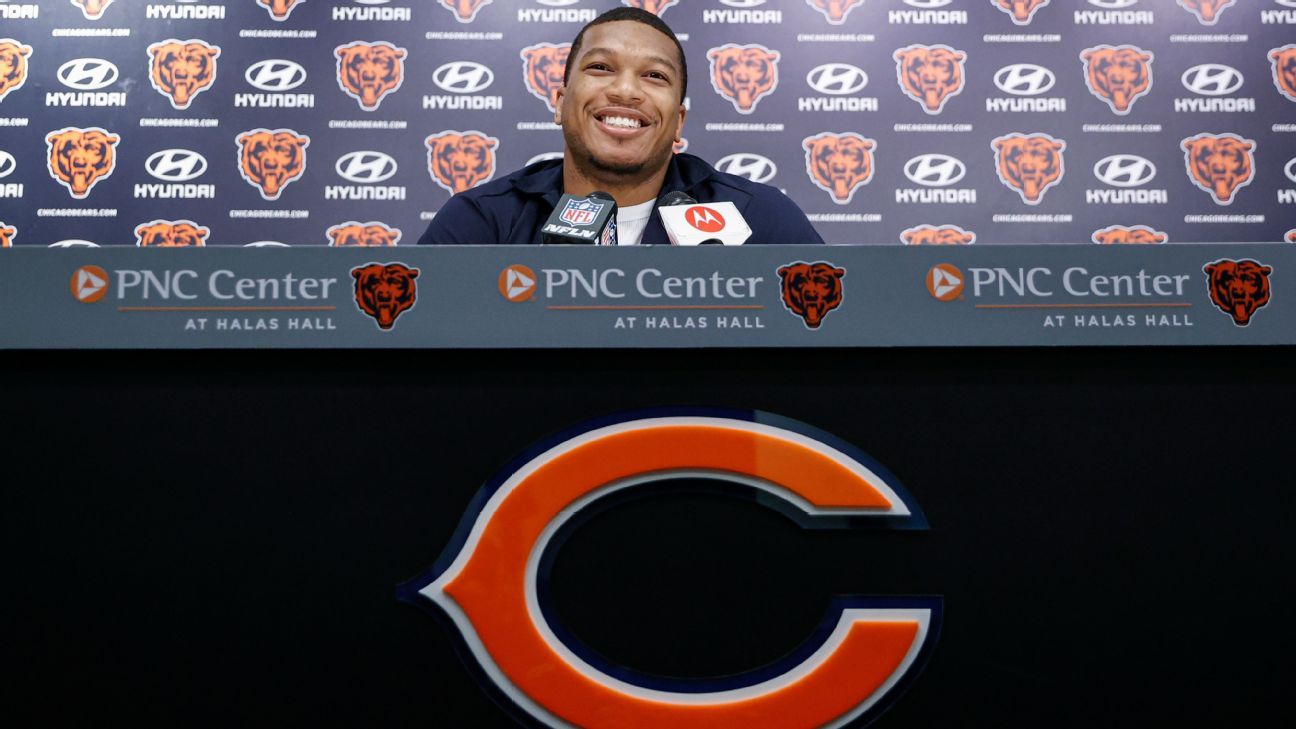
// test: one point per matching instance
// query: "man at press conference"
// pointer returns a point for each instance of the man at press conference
(621, 109)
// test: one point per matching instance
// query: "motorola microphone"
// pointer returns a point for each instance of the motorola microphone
(576, 220)
(689, 223)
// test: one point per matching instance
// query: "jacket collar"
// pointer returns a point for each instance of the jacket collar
(683, 173)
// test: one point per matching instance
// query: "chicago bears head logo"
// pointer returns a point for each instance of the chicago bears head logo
(656, 7)
(13, 65)
(465, 11)
(743, 74)
(279, 9)
(180, 70)
(384, 291)
(930, 75)
(1118, 74)
(269, 159)
(1238, 288)
(1021, 11)
(92, 9)
(1220, 164)
(367, 72)
(811, 290)
(7, 235)
(459, 161)
(937, 235)
(839, 164)
(835, 10)
(355, 234)
(171, 234)
(1121, 234)
(542, 69)
(79, 158)
(1029, 164)
(1207, 11)
(1282, 59)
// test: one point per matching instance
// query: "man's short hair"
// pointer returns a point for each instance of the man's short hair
(636, 15)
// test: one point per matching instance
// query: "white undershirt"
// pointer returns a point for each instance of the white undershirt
(631, 222)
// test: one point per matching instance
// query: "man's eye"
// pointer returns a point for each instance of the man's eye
(598, 67)
(657, 75)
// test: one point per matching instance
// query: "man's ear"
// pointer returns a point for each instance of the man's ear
(558, 104)
(679, 130)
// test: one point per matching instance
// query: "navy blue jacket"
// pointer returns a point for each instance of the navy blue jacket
(512, 209)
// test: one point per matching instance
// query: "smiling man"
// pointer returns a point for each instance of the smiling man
(621, 108)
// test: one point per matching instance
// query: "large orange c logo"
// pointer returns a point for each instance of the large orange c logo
(487, 582)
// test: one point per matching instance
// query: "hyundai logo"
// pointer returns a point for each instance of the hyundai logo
(742, 3)
(359, 2)
(463, 77)
(1212, 79)
(74, 244)
(837, 79)
(271, 243)
(934, 170)
(1112, 4)
(275, 74)
(7, 164)
(1289, 170)
(558, 3)
(927, 4)
(542, 157)
(745, 164)
(1124, 170)
(1024, 79)
(87, 74)
(176, 165)
(365, 168)
(1287, 3)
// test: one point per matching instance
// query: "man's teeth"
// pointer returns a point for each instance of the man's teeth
(621, 121)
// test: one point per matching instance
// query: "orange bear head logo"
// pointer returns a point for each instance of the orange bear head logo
(811, 290)
(270, 159)
(743, 74)
(1238, 288)
(839, 164)
(835, 10)
(92, 9)
(543, 65)
(937, 235)
(279, 9)
(1220, 164)
(7, 235)
(13, 65)
(1118, 74)
(171, 234)
(1282, 59)
(79, 158)
(465, 11)
(930, 75)
(367, 72)
(180, 70)
(1021, 11)
(1207, 11)
(384, 291)
(1121, 234)
(355, 234)
(656, 7)
(460, 161)
(1029, 164)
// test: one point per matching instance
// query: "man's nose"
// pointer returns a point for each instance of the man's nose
(625, 87)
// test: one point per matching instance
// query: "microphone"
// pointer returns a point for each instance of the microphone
(688, 223)
(577, 220)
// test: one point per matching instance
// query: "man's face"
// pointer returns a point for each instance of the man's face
(620, 110)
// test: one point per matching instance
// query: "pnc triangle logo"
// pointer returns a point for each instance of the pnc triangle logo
(89, 284)
(517, 283)
(945, 282)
